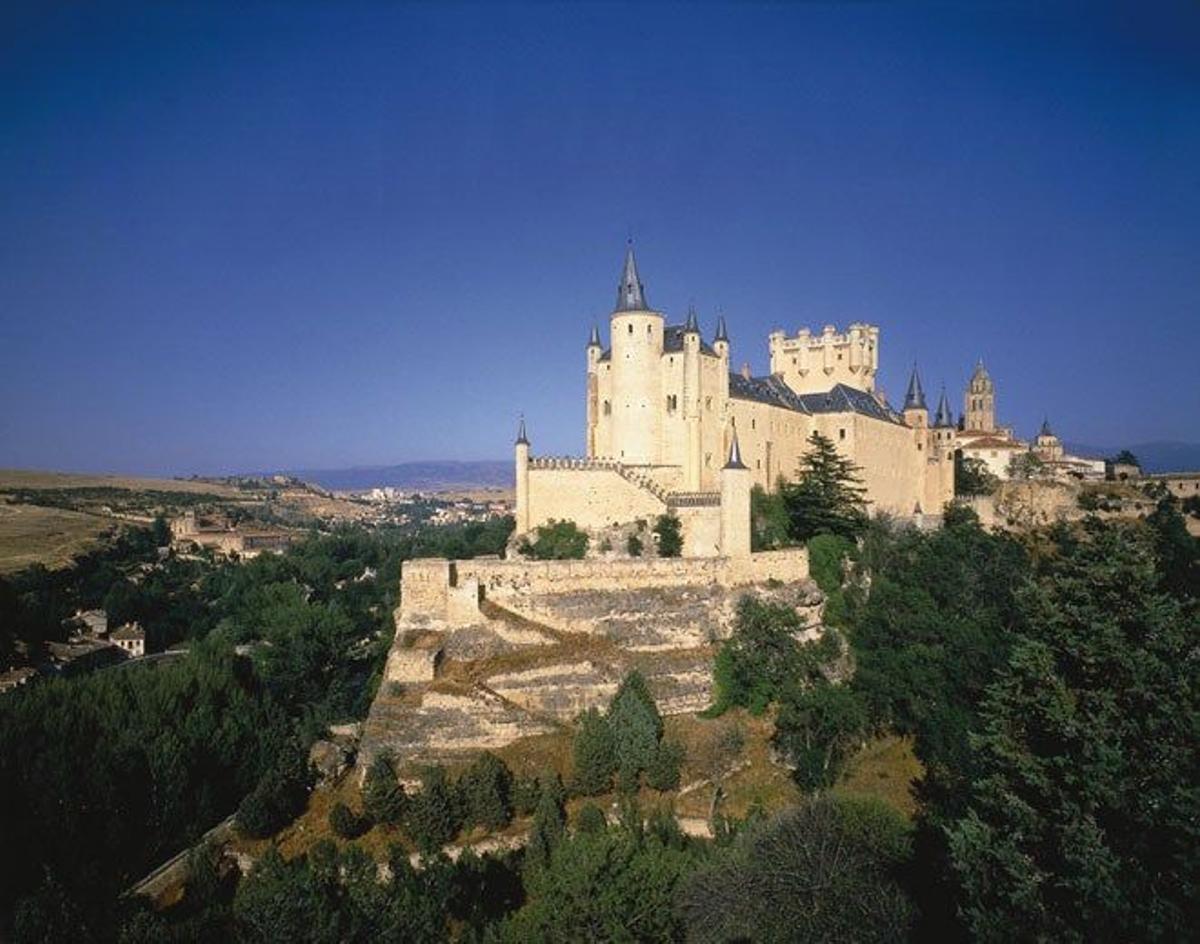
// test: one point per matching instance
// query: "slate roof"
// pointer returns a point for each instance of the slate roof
(840, 399)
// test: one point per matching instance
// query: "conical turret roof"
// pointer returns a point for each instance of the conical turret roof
(915, 398)
(735, 453)
(943, 416)
(594, 340)
(522, 439)
(692, 324)
(631, 296)
(721, 335)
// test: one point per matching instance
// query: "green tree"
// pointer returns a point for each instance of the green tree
(1125, 457)
(633, 546)
(636, 727)
(972, 476)
(486, 791)
(594, 754)
(434, 815)
(769, 521)
(828, 497)
(1082, 819)
(1026, 465)
(664, 770)
(383, 797)
(822, 871)
(549, 825)
(614, 884)
(818, 727)
(670, 535)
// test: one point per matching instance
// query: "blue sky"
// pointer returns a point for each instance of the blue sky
(319, 235)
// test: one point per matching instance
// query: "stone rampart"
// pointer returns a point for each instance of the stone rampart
(434, 589)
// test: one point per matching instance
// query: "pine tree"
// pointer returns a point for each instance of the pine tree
(828, 497)
(549, 825)
(594, 754)
(636, 727)
(486, 790)
(1082, 820)
(383, 797)
(434, 816)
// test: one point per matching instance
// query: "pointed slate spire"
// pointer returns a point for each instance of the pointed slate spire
(943, 417)
(722, 335)
(631, 296)
(735, 453)
(693, 324)
(522, 439)
(915, 398)
(1046, 430)
(594, 340)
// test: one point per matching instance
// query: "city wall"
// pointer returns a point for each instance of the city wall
(439, 590)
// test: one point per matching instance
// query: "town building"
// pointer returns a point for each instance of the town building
(131, 638)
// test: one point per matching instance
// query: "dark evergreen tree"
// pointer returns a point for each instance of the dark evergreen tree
(670, 535)
(828, 497)
(549, 825)
(434, 815)
(636, 727)
(486, 791)
(1082, 819)
(594, 754)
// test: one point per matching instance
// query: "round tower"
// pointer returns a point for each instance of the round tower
(637, 347)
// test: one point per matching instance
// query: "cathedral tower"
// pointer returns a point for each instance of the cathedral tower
(979, 404)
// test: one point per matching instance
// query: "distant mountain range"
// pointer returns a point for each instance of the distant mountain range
(412, 476)
(1154, 456)
(449, 476)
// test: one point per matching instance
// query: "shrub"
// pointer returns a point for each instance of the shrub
(346, 823)
(557, 540)
(768, 519)
(590, 819)
(634, 546)
(670, 536)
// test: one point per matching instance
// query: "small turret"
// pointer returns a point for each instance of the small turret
(1046, 430)
(916, 414)
(735, 453)
(943, 418)
(915, 398)
(522, 439)
(721, 339)
(594, 339)
(692, 325)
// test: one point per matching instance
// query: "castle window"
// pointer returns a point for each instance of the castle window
(758, 463)
(631, 329)
(607, 408)
(707, 460)
(842, 433)
(672, 403)
(753, 424)
(920, 447)
(708, 403)
(648, 330)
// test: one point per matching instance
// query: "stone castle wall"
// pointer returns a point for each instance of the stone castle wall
(435, 589)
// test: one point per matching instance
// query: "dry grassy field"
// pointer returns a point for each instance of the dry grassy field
(32, 478)
(30, 534)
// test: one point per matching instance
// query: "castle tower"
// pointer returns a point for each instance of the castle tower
(637, 347)
(691, 402)
(594, 350)
(522, 478)
(735, 503)
(916, 414)
(979, 403)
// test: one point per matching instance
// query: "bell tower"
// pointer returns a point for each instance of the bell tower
(979, 403)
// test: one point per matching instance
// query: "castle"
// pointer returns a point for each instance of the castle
(670, 428)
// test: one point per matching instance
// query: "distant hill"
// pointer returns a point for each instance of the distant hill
(413, 476)
(1154, 456)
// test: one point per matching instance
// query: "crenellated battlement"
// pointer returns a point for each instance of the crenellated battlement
(814, 362)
